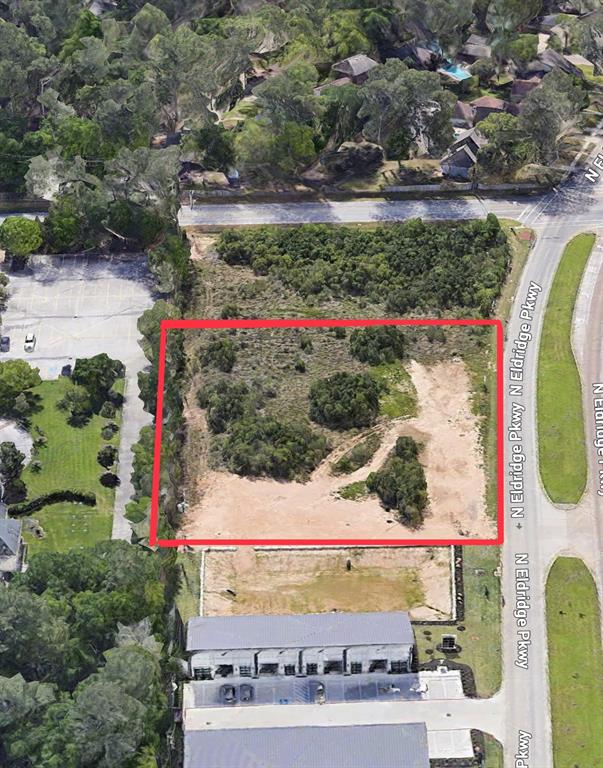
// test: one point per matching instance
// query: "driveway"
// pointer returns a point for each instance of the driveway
(79, 306)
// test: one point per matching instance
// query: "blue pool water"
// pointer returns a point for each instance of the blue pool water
(455, 71)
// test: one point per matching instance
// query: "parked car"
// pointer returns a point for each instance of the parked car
(319, 693)
(228, 694)
(246, 692)
(4, 343)
(30, 342)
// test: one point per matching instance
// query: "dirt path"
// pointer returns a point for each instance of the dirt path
(240, 507)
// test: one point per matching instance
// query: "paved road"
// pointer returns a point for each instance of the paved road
(78, 307)
(543, 531)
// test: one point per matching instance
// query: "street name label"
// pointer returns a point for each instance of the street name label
(521, 609)
(592, 173)
(598, 441)
(522, 755)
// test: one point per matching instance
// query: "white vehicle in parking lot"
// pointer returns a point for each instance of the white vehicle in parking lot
(30, 342)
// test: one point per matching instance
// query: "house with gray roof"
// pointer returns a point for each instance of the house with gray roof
(356, 67)
(402, 745)
(300, 645)
(12, 546)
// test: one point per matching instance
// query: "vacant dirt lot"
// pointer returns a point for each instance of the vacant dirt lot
(230, 506)
(250, 581)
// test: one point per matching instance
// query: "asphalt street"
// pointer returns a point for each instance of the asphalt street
(520, 714)
(80, 306)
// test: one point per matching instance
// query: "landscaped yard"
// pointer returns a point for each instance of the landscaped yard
(480, 640)
(562, 452)
(494, 752)
(575, 662)
(69, 462)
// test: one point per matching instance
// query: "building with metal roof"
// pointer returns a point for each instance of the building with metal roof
(353, 746)
(310, 644)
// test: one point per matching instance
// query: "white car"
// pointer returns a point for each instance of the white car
(30, 342)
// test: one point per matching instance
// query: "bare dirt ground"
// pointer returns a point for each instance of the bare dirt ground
(256, 581)
(234, 507)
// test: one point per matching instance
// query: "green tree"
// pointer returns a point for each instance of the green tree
(22, 700)
(289, 97)
(76, 401)
(34, 639)
(16, 377)
(79, 136)
(404, 107)
(20, 236)
(401, 483)
(484, 70)
(106, 724)
(97, 375)
(524, 49)
(11, 462)
(86, 25)
(344, 400)
(107, 456)
(262, 445)
(377, 344)
(219, 353)
(509, 147)
(215, 146)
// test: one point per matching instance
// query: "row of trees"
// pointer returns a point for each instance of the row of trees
(414, 266)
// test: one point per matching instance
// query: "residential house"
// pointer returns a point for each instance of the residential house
(475, 47)
(461, 157)
(521, 88)
(287, 646)
(357, 67)
(463, 115)
(487, 105)
(549, 60)
(12, 546)
(417, 56)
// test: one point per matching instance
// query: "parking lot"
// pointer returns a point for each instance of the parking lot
(77, 307)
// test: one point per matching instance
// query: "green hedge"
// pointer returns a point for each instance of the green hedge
(79, 497)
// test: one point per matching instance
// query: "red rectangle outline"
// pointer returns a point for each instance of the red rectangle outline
(167, 325)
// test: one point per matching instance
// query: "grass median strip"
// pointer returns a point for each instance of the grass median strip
(561, 442)
(575, 662)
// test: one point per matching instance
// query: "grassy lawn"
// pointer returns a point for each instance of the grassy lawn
(69, 462)
(575, 662)
(401, 397)
(494, 752)
(561, 449)
(187, 599)
(480, 641)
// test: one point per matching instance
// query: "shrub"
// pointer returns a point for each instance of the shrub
(107, 456)
(229, 312)
(224, 403)
(107, 410)
(400, 483)
(263, 445)
(79, 497)
(219, 353)
(109, 480)
(15, 490)
(299, 365)
(344, 400)
(36, 467)
(377, 344)
(357, 456)
(76, 401)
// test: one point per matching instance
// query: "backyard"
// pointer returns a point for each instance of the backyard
(68, 461)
